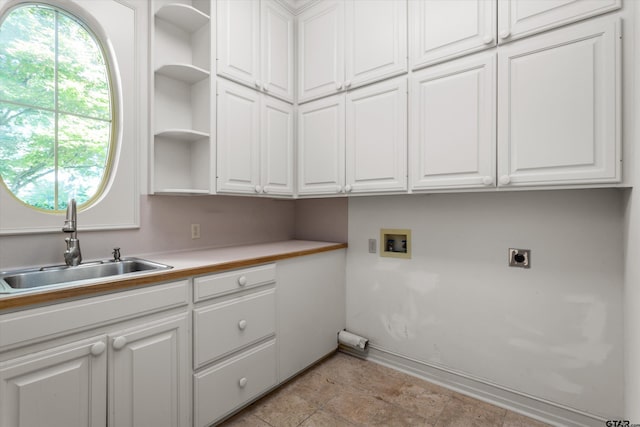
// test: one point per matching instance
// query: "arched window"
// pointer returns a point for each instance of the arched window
(56, 108)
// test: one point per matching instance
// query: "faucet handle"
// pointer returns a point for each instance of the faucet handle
(116, 254)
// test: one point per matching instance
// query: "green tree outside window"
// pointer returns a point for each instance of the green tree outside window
(55, 108)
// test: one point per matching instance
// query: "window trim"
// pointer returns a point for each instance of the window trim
(119, 30)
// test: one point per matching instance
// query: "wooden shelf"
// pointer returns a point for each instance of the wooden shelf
(186, 17)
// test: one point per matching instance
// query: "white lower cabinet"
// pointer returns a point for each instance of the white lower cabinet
(133, 372)
(61, 386)
(234, 330)
(149, 375)
(227, 386)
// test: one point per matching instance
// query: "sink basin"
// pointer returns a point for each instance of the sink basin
(12, 281)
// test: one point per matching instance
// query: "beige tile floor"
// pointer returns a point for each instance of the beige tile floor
(346, 391)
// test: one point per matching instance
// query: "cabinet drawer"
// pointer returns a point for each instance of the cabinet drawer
(207, 287)
(230, 325)
(227, 386)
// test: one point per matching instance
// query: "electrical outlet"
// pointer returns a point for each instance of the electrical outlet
(372, 246)
(195, 231)
(520, 258)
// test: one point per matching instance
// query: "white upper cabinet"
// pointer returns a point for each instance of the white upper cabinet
(277, 50)
(559, 107)
(255, 45)
(277, 147)
(440, 30)
(345, 44)
(375, 42)
(238, 138)
(255, 142)
(376, 141)
(321, 50)
(520, 18)
(453, 115)
(239, 41)
(321, 139)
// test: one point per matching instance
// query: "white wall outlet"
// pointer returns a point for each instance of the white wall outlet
(195, 231)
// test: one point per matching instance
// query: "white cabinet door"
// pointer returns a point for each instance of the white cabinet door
(520, 18)
(559, 107)
(64, 386)
(376, 140)
(238, 138)
(238, 53)
(149, 379)
(321, 50)
(453, 116)
(321, 139)
(440, 30)
(277, 147)
(311, 303)
(375, 40)
(277, 50)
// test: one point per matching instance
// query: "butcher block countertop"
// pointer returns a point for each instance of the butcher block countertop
(185, 264)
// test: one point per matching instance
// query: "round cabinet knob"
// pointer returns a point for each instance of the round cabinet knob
(258, 189)
(504, 34)
(242, 382)
(264, 189)
(98, 348)
(119, 343)
(487, 180)
(258, 84)
(338, 86)
(242, 280)
(505, 179)
(347, 84)
(338, 189)
(265, 87)
(242, 325)
(347, 188)
(487, 39)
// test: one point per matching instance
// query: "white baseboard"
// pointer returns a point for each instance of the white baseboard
(530, 406)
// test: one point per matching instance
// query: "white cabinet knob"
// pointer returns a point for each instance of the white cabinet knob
(242, 325)
(338, 189)
(504, 34)
(98, 348)
(505, 179)
(258, 189)
(258, 84)
(487, 180)
(338, 86)
(347, 84)
(487, 39)
(347, 188)
(242, 382)
(264, 189)
(242, 280)
(265, 87)
(119, 343)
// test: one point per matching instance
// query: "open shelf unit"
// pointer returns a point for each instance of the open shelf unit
(183, 149)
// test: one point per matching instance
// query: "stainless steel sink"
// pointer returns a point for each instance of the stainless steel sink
(20, 280)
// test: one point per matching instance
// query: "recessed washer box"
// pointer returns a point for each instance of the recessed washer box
(395, 243)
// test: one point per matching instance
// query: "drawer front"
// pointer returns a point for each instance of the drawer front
(222, 328)
(227, 386)
(70, 317)
(207, 287)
